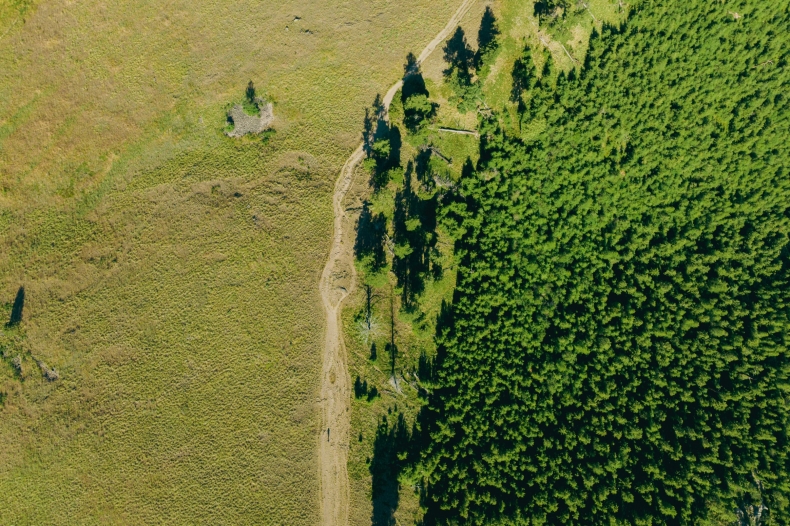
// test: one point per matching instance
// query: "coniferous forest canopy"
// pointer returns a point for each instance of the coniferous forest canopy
(616, 350)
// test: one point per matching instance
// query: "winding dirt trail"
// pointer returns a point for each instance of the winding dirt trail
(337, 282)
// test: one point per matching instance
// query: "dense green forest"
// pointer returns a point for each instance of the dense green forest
(616, 348)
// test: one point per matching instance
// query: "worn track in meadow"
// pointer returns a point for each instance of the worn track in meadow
(337, 282)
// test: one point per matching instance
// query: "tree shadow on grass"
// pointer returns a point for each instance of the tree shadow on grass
(382, 144)
(395, 146)
(422, 168)
(413, 82)
(369, 244)
(396, 448)
(458, 55)
(16, 310)
(487, 35)
(389, 448)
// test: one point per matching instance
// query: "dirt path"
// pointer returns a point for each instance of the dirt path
(337, 282)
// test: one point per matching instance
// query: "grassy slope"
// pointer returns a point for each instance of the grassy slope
(171, 273)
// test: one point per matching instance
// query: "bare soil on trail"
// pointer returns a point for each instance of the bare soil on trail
(338, 280)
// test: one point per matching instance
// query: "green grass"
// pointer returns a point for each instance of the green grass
(413, 330)
(171, 272)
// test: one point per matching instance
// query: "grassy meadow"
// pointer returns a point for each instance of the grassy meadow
(170, 272)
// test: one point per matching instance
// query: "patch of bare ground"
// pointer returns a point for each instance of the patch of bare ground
(244, 123)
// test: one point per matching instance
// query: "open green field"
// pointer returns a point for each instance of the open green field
(170, 272)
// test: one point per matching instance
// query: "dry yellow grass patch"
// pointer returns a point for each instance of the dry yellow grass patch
(171, 272)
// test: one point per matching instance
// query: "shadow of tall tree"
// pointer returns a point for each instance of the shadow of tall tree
(413, 82)
(16, 309)
(549, 10)
(486, 36)
(395, 146)
(418, 110)
(459, 73)
(458, 55)
(525, 78)
(381, 142)
(249, 93)
(384, 156)
(422, 168)
(390, 450)
(414, 235)
(373, 116)
(369, 244)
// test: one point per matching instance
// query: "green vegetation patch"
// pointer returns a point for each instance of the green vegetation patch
(617, 347)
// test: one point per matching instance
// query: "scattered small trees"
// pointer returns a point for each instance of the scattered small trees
(362, 390)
